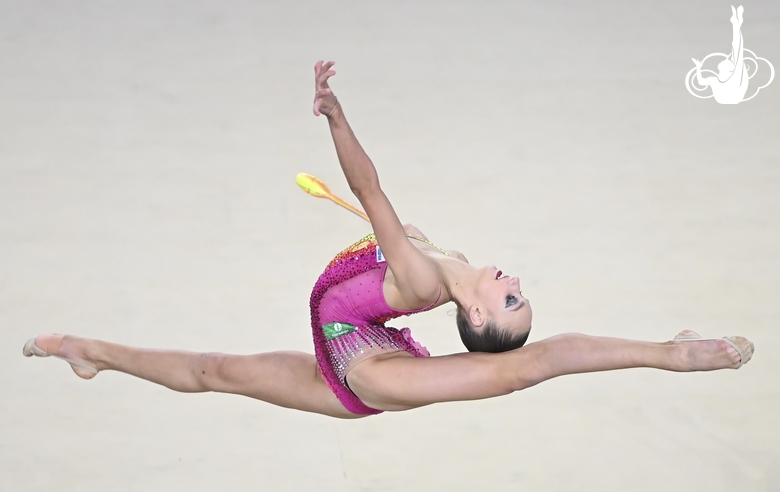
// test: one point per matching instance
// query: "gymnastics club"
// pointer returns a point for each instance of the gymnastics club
(315, 187)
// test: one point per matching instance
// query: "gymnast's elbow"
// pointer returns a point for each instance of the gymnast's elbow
(365, 188)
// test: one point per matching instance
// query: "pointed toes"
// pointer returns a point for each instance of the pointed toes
(31, 349)
(744, 348)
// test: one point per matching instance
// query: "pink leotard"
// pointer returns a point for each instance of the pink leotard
(348, 315)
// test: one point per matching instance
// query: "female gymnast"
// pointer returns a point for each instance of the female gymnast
(360, 366)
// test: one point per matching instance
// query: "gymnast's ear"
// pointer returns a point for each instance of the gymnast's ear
(476, 317)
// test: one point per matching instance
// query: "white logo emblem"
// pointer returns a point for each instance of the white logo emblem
(337, 326)
(730, 84)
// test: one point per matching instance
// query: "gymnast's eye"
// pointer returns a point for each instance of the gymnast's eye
(511, 300)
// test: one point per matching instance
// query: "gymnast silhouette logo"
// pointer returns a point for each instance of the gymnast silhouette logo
(735, 70)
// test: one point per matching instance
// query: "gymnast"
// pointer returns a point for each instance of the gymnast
(362, 367)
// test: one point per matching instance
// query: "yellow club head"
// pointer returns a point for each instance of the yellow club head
(312, 185)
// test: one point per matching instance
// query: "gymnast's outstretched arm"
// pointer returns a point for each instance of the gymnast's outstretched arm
(416, 279)
(401, 382)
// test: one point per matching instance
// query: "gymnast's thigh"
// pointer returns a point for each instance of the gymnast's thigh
(287, 379)
(400, 381)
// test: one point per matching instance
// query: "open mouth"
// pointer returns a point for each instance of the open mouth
(498, 274)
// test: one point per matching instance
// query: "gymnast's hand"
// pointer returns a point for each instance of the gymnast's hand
(324, 100)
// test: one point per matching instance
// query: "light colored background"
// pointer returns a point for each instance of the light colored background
(147, 160)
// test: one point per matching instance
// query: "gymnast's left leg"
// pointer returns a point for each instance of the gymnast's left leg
(398, 381)
(287, 379)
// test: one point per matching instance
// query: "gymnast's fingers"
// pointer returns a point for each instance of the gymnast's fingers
(322, 80)
(317, 70)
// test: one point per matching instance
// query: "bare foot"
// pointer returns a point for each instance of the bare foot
(707, 354)
(63, 347)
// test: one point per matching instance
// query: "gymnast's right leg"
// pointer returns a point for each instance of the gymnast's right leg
(287, 379)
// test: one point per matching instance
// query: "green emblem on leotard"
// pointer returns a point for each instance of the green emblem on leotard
(333, 330)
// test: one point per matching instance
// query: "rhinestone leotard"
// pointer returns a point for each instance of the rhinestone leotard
(348, 315)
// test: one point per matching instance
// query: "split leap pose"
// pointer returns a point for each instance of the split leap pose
(362, 367)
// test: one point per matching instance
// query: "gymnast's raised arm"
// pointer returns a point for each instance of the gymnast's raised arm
(415, 277)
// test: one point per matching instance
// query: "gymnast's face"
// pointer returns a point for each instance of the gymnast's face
(503, 301)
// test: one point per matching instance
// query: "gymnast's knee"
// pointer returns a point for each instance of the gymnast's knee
(210, 373)
(525, 366)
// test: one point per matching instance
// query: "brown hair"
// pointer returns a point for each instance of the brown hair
(490, 338)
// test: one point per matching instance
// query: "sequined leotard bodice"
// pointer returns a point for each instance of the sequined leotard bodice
(348, 313)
